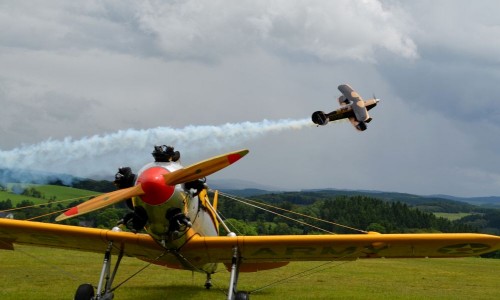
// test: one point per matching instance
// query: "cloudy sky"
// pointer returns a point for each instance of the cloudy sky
(81, 82)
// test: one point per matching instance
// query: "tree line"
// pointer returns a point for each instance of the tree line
(362, 212)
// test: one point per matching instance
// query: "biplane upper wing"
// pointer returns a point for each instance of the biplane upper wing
(358, 105)
(254, 250)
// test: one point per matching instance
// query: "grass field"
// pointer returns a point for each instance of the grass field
(49, 191)
(18, 198)
(451, 216)
(42, 273)
(63, 192)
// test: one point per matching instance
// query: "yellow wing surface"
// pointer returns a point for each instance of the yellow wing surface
(344, 247)
(259, 250)
(75, 238)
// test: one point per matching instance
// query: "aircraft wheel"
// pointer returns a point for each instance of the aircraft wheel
(84, 292)
(361, 126)
(242, 296)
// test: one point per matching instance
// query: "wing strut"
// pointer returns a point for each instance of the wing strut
(233, 293)
(106, 270)
(104, 287)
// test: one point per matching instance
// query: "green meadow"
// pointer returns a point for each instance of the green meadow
(53, 192)
(42, 273)
(451, 216)
(15, 198)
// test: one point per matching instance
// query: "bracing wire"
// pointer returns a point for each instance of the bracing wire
(308, 272)
(47, 214)
(229, 222)
(257, 203)
(47, 203)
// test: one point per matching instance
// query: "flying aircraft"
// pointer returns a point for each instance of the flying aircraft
(174, 223)
(352, 107)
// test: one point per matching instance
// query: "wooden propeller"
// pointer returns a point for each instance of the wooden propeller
(101, 202)
(203, 168)
(193, 172)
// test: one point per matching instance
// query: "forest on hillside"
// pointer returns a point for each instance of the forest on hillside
(360, 212)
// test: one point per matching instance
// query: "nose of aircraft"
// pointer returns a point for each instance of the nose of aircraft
(156, 191)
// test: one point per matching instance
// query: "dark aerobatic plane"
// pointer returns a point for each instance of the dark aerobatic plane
(352, 107)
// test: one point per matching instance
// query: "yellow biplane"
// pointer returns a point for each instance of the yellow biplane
(171, 204)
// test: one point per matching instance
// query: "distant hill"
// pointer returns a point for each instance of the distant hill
(31, 176)
(238, 184)
(352, 205)
(433, 203)
(38, 177)
(425, 203)
(491, 201)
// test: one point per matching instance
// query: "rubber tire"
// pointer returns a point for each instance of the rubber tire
(84, 292)
(361, 126)
(242, 296)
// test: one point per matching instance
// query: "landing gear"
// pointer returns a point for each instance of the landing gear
(84, 292)
(361, 126)
(208, 283)
(104, 290)
(233, 293)
(242, 296)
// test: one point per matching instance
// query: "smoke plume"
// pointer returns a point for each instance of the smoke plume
(100, 154)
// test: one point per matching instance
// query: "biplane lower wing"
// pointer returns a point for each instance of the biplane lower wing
(257, 250)
(76, 238)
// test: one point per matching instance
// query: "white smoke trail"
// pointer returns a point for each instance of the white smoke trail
(105, 153)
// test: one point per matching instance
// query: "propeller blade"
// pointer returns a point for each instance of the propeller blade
(203, 168)
(101, 201)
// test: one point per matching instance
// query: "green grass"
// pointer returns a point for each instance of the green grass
(451, 216)
(42, 273)
(63, 192)
(18, 198)
(49, 191)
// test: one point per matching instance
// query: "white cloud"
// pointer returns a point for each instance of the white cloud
(462, 30)
(208, 30)
(325, 30)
